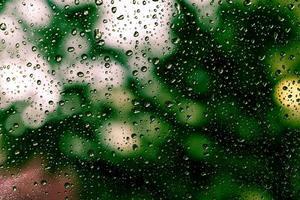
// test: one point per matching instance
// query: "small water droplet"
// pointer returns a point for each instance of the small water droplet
(98, 2)
(135, 73)
(3, 26)
(80, 74)
(71, 49)
(144, 69)
(129, 53)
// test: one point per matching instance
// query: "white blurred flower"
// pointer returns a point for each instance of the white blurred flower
(118, 137)
(25, 75)
(97, 74)
(142, 27)
(32, 12)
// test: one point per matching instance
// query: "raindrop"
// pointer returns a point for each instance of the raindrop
(3, 26)
(80, 74)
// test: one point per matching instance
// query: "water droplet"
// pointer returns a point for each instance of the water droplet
(80, 74)
(144, 69)
(58, 58)
(98, 2)
(107, 65)
(135, 73)
(129, 53)
(44, 182)
(71, 49)
(121, 17)
(3, 26)
(114, 9)
(134, 147)
(67, 185)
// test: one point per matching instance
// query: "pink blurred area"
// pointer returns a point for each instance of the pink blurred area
(32, 182)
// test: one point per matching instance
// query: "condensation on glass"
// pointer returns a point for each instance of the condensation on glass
(149, 99)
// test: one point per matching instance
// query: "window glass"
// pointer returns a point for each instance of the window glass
(149, 99)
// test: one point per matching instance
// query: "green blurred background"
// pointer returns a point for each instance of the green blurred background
(217, 118)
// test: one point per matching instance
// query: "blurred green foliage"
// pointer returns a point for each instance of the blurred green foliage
(207, 121)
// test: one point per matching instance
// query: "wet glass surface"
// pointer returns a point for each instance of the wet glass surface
(149, 99)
